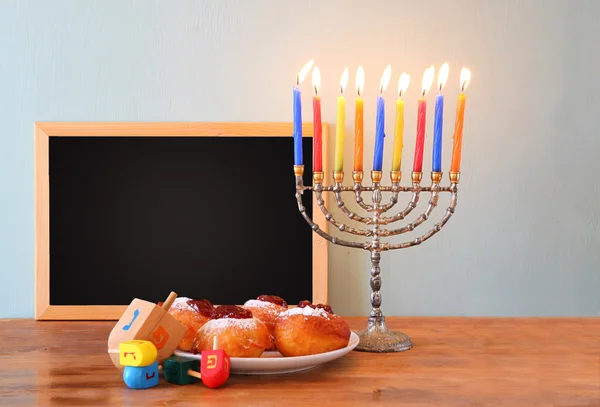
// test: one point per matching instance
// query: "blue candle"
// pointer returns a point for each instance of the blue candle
(379, 134)
(297, 127)
(437, 134)
(438, 124)
(380, 123)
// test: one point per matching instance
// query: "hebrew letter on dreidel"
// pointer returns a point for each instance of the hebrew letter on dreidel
(160, 337)
(136, 313)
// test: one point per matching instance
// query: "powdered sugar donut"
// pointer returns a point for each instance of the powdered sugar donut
(267, 308)
(310, 329)
(193, 314)
(238, 332)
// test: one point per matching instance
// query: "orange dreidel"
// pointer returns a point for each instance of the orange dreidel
(214, 366)
(146, 321)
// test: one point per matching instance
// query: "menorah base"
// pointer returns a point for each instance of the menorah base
(378, 339)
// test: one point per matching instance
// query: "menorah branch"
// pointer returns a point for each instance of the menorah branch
(422, 218)
(437, 227)
(300, 188)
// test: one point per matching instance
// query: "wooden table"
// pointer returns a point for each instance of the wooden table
(455, 362)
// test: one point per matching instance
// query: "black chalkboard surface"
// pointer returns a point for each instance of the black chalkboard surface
(206, 217)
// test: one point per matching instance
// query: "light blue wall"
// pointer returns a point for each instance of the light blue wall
(525, 238)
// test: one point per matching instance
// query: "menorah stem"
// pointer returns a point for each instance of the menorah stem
(376, 285)
(377, 337)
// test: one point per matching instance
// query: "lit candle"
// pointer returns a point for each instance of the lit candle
(340, 122)
(438, 124)
(422, 114)
(465, 78)
(358, 121)
(298, 159)
(403, 83)
(380, 120)
(318, 128)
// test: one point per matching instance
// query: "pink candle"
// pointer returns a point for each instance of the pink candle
(421, 119)
(420, 144)
(318, 127)
(318, 159)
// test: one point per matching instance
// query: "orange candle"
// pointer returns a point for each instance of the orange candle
(358, 121)
(465, 78)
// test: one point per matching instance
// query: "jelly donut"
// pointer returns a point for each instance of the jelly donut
(267, 308)
(193, 314)
(238, 333)
(310, 329)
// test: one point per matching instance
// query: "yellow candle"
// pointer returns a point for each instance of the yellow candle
(398, 134)
(339, 134)
(340, 122)
(399, 128)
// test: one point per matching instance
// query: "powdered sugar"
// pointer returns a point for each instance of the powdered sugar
(261, 304)
(182, 303)
(226, 323)
(306, 311)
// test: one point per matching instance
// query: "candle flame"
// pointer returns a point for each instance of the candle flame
(360, 80)
(427, 80)
(443, 76)
(385, 79)
(316, 79)
(465, 78)
(403, 83)
(344, 80)
(304, 71)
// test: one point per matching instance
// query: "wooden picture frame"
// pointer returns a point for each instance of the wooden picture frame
(42, 132)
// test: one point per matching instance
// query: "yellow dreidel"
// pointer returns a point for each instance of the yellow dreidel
(137, 353)
(146, 321)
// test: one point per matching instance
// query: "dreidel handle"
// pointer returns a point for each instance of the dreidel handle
(169, 301)
(193, 373)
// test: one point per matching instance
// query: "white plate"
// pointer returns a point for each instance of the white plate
(274, 363)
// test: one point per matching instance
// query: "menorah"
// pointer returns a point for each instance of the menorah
(377, 337)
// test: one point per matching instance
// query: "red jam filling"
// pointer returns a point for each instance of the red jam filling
(231, 311)
(305, 303)
(272, 299)
(203, 307)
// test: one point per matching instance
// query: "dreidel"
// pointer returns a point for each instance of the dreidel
(137, 353)
(146, 321)
(141, 377)
(215, 366)
(139, 359)
(180, 370)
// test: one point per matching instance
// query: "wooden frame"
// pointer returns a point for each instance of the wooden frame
(43, 130)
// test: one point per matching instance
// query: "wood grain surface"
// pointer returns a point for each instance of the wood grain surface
(455, 362)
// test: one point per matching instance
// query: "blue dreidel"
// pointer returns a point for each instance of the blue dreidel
(141, 377)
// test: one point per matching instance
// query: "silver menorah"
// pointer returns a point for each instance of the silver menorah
(377, 337)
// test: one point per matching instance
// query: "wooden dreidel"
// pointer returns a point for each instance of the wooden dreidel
(215, 366)
(141, 377)
(144, 320)
(137, 353)
(179, 370)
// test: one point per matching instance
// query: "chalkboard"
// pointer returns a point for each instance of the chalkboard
(207, 217)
